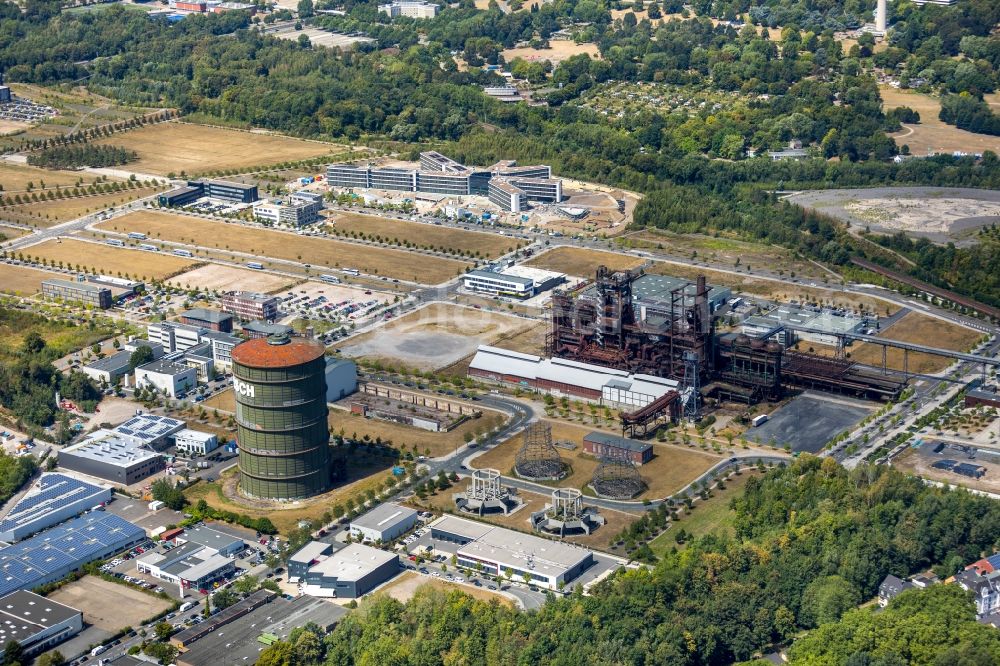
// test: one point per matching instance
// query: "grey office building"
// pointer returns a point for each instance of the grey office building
(82, 292)
(351, 572)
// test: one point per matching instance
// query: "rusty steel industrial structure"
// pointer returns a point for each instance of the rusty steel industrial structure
(599, 324)
(538, 459)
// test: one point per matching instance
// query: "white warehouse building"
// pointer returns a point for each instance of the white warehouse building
(383, 523)
(195, 441)
(170, 378)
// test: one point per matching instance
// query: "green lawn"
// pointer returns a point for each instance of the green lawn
(713, 515)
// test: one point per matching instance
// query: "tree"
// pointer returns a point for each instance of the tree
(33, 343)
(246, 584)
(166, 492)
(162, 630)
(826, 599)
(13, 654)
(224, 598)
(305, 8)
(54, 658)
(140, 357)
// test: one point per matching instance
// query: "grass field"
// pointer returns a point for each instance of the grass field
(224, 401)
(10, 233)
(921, 329)
(23, 281)
(110, 260)
(582, 262)
(292, 247)
(671, 469)
(427, 443)
(364, 475)
(707, 516)
(931, 134)
(174, 147)
(421, 234)
(404, 586)
(16, 177)
(50, 213)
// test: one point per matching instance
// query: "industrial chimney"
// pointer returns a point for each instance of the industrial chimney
(880, 17)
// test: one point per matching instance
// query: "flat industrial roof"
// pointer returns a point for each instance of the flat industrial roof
(206, 536)
(384, 516)
(353, 562)
(164, 366)
(491, 275)
(310, 552)
(617, 441)
(150, 427)
(196, 435)
(52, 493)
(23, 614)
(536, 275)
(204, 314)
(116, 361)
(111, 448)
(82, 286)
(515, 549)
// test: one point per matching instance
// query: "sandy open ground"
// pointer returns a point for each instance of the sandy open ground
(931, 134)
(175, 147)
(937, 213)
(110, 260)
(22, 280)
(919, 329)
(561, 50)
(258, 241)
(226, 278)
(434, 336)
(107, 605)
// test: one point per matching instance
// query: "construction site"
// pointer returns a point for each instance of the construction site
(672, 335)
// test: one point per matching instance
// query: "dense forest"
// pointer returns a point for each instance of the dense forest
(812, 540)
(29, 381)
(85, 155)
(969, 113)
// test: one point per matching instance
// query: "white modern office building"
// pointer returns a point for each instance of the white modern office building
(298, 210)
(518, 282)
(417, 9)
(166, 376)
(508, 186)
(196, 442)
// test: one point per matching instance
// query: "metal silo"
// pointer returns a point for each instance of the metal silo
(281, 417)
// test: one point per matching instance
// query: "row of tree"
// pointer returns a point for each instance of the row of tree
(81, 155)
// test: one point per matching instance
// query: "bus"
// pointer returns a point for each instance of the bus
(183, 253)
(136, 235)
(116, 242)
(330, 278)
(351, 271)
(149, 248)
(256, 265)
(187, 605)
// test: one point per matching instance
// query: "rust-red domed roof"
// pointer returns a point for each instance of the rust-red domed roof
(280, 352)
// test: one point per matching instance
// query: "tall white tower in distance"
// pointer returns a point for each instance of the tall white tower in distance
(880, 17)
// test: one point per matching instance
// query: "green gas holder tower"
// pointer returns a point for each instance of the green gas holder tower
(281, 417)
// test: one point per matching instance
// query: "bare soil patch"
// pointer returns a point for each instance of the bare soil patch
(561, 50)
(109, 606)
(226, 278)
(919, 329)
(582, 262)
(406, 585)
(434, 336)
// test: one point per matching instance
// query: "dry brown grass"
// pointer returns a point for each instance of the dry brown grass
(50, 213)
(931, 133)
(427, 443)
(174, 147)
(398, 264)
(920, 329)
(226, 278)
(15, 178)
(225, 401)
(406, 585)
(582, 262)
(422, 234)
(286, 515)
(671, 468)
(23, 281)
(110, 260)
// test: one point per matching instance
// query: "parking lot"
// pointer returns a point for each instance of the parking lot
(809, 421)
(327, 302)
